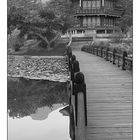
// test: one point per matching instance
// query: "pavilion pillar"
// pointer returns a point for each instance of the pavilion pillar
(81, 3)
(113, 31)
(94, 35)
(103, 3)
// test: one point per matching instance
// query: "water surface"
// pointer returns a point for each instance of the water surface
(34, 110)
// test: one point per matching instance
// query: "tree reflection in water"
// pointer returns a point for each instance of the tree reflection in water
(26, 96)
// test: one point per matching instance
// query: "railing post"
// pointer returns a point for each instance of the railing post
(101, 51)
(93, 50)
(75, 68)
(107, 54)
(114, 52)
(123, 60)
(97, 51)
(73, 58)
(118, 61)
(110, 57)
(80, 88)
(131, 66)
(69, 54)
(84, 49)
(89, 49)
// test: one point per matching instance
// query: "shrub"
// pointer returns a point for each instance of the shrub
(117, 38)
(120, 47)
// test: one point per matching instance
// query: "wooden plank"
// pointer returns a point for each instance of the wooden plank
(109, 98)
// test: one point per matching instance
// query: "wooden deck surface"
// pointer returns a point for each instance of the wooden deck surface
(109, 98)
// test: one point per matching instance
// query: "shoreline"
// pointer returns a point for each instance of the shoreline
(52, 68)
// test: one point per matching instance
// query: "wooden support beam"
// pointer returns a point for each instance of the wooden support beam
(103, 3)
(80, 2)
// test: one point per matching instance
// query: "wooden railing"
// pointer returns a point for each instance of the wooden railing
(121, 60)
(90, 11)
(77, 98)
(115, 11)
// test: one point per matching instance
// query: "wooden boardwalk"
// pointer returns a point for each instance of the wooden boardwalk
(109, 98)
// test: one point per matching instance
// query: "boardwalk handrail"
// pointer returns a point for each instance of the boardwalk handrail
(78, 93)
(117, 59)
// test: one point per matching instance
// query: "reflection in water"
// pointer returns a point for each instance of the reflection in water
(26, 96)
(37, 110)
(65, 111)
(43, 112)
(55, 127)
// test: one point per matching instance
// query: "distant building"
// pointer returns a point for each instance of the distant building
(96, 17)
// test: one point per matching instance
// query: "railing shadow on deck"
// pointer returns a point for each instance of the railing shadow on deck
(121, 60)
(77, 98)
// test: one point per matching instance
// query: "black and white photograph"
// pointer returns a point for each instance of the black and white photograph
(69, 70)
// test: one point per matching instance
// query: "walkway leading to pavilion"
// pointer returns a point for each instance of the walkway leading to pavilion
(109, 98)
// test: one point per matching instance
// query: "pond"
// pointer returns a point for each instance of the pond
(35, 110)
(37, 106)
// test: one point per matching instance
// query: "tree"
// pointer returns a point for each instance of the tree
(19, 10)
(126, 21)
(45, 23)
(64, 9)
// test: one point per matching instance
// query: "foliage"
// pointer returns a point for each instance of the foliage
(120, 47)
(45, 23)
(126, 21)
(117, 38)
(18, 11)
(101, 44)
(64, 9)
